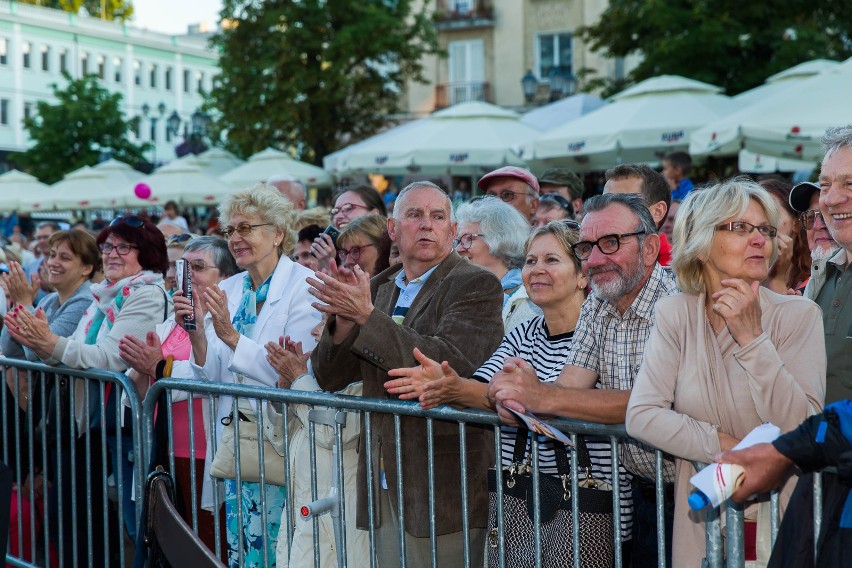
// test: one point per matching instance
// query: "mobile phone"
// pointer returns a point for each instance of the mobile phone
(332, 232)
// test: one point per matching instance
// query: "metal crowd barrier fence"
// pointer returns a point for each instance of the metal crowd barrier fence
(71, 458)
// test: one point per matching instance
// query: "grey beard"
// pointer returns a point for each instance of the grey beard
(821, 253)
(614, 290)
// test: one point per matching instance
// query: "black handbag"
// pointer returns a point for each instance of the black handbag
(597, 535)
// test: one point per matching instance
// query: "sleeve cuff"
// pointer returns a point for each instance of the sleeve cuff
(305, 382)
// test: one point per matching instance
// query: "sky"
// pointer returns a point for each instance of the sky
(173, 16)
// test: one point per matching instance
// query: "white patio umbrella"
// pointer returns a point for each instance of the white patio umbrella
(180, 181)
(271, 162)
(118, 172)
(752, 163)
(217, 162)
(561, 112)
(723, 137)
(464, 139)
(13, 185)
(642, 124)
(88, 188)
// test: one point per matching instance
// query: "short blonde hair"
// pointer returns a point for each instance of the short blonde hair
(314, 216)
(699, 215)
(267, 203)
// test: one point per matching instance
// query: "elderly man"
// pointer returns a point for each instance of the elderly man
(292, 189)
(566, 183)
(437, 302)
(516, 186)
(804, 199)
(618, 250)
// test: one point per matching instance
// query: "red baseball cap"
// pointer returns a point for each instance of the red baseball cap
(510, 172)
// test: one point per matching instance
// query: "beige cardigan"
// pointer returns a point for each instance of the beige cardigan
(693, 383)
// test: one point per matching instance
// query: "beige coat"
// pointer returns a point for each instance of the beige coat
(693, 383)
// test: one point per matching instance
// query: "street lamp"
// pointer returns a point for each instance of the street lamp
(530, 85)
(173, 123)
(200, 122)
(558, 84)
(146, 108)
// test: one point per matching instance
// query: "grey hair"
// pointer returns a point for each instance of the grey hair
(267, 203)
(835, 138)
(699, 215)
(397, 208)
(505, 229)
(218, 249)
(633, 201)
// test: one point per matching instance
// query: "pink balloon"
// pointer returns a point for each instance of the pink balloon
(142, 191)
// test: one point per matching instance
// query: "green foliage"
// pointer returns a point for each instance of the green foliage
(120, 10)
(72, 133)
(730, 43)
(314, 75)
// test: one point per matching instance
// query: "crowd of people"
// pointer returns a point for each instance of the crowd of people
(534, 298)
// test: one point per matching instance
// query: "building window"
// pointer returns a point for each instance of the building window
(116, 67)
(84, 64)
(153, 76)
(186, 76)
(25, 51)
(167, 78)
(137, 73)
(45, 58)
(4, 112)
(28, 110)
(4, 51)
(554, 51)
(199, 77)
(101, 67)
(461, 6)
(154, 130)
(63, 60)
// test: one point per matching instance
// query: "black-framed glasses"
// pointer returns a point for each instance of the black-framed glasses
(346, 209)
(607, 244)
(352, 252)
(130, 220)
(121, 250)
(559, 200)
(243, 229)
(744, 228)
(809, 217)
(508, 196)
(179, 239)
(465, 241)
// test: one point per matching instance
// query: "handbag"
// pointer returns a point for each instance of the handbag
(597, 535)
(225, 462)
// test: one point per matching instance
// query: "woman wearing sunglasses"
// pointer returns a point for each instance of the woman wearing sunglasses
(246, 311)
(131, 300)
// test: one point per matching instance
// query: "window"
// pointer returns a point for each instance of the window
(25, 51)
(199, 77)
(554, 52)
(84, 64)
(186, 80)
(101, 67)
(63, 60)
(4, 51)
(167, 78)
(45, 58)
(461, 6)
(466, 66)
(137, 73)
(152, 76)
(28, 110)
(4, 112)
(116, 68)
(154, 130)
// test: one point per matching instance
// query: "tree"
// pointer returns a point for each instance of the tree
(120, 10)
(85, 122)
(314, 75)
(730, 43)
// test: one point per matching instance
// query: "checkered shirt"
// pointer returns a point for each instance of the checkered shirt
(612, 345)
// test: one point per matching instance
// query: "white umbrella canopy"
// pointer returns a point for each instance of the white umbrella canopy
(723, 137)
(271, 162)
(561, 112)
(642, 124)
(118, 172)
(217, 162)
(15, 184)
(752, 163)
(464, 139)
(180, 181)
(88, 188)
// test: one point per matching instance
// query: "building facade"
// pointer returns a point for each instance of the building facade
(156, 74)
(492, 44)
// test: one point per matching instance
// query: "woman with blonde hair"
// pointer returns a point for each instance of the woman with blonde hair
(365, 242)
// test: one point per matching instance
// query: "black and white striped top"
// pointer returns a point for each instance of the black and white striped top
(532, 342)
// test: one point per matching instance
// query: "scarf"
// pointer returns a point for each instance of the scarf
(511, 279)
(246, 315)
(109, 298)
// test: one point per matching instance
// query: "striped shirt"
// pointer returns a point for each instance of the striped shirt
(532, 342)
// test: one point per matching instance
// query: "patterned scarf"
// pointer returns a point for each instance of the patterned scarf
(109, 298)
(246, 315)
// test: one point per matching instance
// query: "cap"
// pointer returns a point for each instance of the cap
(564, 177)
(697, 500)
(510, 172)
(800, 195)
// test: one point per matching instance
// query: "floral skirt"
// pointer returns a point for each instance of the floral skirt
(249, 533)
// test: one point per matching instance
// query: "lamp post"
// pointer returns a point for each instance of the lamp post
(530, 85)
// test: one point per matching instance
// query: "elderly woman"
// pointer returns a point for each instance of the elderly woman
(131, 300)
(210, 263)
(349, 204)
(365, 243)
(492, 234)
(246, 312)
(726, 355)
(793, 267)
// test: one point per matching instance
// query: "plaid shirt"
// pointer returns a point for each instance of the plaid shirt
(612, 345)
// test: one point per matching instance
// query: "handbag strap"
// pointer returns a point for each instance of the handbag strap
(563, 465)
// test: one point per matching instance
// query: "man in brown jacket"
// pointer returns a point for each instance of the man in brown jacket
(448, 308)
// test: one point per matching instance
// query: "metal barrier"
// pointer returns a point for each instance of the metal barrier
(62, 426)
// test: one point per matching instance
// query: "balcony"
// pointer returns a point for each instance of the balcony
(448, 94)
(463, 15)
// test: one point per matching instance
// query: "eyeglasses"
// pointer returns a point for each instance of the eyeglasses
(354, 252)
(607, 244)
(809, 217)
(121, 250)
(243, 229)
(559, 200)
(508, 196)
(130, 220)
(346, 209)
(199, 265)
(465, 241)
(179, 239)
(743, 228)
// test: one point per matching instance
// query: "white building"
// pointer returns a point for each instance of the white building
(157, 74)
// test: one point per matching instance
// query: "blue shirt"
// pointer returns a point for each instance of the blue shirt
(683, 189)
(407, 292)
